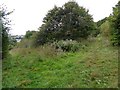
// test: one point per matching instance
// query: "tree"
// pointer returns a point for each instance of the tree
(115, 23)
(4, 29)
(67, 22)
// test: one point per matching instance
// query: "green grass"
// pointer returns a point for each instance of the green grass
(95, 66)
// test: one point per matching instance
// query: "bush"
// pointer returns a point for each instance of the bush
(67, 45)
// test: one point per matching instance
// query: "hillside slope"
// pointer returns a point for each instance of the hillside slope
(96, 65)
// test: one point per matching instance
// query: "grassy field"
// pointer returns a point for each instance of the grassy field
(94, 66)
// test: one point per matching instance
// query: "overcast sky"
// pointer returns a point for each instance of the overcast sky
(28, 14)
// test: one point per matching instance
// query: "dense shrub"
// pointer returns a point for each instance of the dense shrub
(95, 32)
(115, 23)
(4, 29)
(67, 45)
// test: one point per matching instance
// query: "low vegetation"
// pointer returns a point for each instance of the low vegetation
(79, 54)
(67, 45)
(93, 66)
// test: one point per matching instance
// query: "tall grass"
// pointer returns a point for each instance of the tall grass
(105, 29)
(94, 65)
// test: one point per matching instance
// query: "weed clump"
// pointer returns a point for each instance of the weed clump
(67, 45)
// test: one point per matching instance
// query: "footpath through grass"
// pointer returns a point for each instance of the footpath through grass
(94, 66)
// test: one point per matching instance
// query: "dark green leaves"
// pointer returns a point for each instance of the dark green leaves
(67, 22)
(115, 23)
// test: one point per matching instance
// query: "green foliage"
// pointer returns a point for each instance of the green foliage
(12, 42)
(115, 23)
(96, 31)
(98, 25)
(67, 45)
(67, 22)
(28, 40)
(105, 29)
(29, 34)
(5, 43)
(24, 43)
(4, 29)
(100, 22)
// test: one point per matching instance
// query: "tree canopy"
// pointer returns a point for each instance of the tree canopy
(67, 22)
